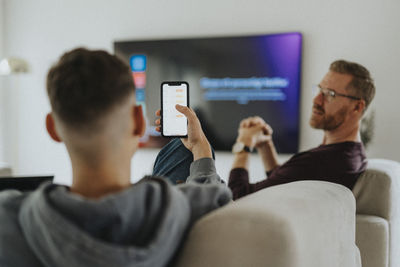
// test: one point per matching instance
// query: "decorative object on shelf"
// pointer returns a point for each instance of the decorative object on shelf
(13, 65)
(5, 169)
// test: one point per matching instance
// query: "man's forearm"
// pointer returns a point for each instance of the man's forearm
(241, 160)
(268, 155)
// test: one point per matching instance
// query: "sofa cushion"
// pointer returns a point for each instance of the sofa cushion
(302, 224)
(372, 238)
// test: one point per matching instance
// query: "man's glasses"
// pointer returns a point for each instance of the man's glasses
(330, 94)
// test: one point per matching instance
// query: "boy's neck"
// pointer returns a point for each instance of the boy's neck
(98, 182)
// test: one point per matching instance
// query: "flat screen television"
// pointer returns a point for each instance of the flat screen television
(230, 78)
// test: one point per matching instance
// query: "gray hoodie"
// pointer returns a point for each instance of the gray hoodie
(143, 225)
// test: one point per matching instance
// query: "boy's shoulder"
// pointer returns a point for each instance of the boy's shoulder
(17, 251)
(10, 205)
(10, 202)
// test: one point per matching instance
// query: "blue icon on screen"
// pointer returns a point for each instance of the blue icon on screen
(138, 62)
(140, 95)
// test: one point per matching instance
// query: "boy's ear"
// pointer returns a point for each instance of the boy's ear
(51, 128)
(139, 121)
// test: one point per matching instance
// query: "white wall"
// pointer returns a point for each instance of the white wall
(2, 111)
(1, 27)
(365, 31)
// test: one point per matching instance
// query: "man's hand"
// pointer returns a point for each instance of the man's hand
(254, 132)
(196, 141)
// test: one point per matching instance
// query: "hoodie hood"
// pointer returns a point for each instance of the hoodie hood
(140, 226)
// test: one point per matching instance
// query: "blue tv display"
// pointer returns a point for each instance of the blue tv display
(230, 78)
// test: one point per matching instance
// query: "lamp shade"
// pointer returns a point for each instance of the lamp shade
(13, 65)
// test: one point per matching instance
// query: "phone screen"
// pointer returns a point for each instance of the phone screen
(174, 123)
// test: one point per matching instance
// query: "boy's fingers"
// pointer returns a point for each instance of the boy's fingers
(185, 111)
(158, 112)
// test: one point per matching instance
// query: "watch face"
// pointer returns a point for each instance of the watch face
(237, 147)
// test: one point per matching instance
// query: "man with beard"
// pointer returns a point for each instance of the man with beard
(344, 94)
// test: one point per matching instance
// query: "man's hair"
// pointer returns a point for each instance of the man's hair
(362, 84)
(84, 85)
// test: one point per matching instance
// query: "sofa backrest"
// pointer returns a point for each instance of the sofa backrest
(300, 224)
(377, 193)
(378, 189)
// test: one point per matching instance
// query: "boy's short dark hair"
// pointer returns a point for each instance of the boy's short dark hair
(84, 85)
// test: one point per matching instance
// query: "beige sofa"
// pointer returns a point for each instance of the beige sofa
(304, 224)
(377, 194)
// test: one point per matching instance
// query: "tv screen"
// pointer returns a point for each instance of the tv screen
(230, 78)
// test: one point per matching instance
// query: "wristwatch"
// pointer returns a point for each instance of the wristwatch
(239, 147)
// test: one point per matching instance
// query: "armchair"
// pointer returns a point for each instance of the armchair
(377, 193)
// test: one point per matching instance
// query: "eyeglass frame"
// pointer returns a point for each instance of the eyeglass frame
(332, 93)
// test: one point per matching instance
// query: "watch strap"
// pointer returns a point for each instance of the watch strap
(247, 149)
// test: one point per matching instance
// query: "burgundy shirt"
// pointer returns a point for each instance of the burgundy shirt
(340, 163)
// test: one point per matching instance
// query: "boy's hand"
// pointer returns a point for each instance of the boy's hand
(196, 141)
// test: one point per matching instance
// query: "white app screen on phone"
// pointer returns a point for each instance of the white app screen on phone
(174, 122)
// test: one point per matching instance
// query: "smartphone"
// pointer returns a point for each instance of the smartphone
(174, 123)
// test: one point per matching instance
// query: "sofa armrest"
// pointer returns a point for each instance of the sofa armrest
(306, 223)
(377, 193)
(372, 238)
